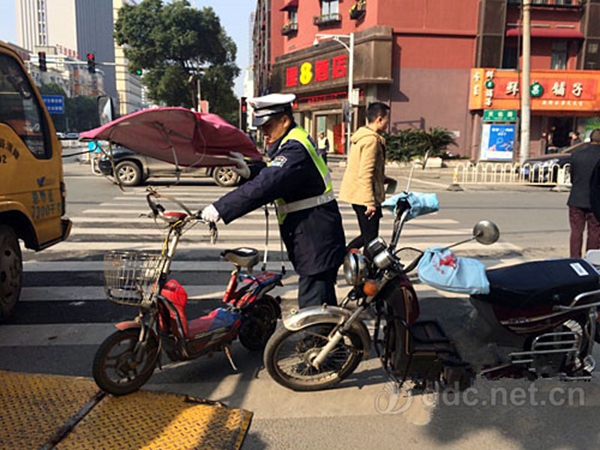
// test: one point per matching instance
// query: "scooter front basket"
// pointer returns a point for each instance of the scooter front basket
(131, 276)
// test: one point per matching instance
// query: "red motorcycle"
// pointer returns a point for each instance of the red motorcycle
(128, 357)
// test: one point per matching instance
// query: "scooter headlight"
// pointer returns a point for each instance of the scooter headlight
(355, 268)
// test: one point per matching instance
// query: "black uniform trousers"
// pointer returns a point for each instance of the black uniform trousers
(314, 290)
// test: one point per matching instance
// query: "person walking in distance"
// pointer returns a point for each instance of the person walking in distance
(364, 178)
(323, 146)
(583, 163)
(298, 181)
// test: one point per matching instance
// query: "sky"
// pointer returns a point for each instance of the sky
(234, 15)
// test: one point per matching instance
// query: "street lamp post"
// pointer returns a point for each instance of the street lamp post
(350, 48)
(526, 82)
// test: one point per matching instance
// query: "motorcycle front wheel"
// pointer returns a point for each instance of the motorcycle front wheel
(118, 368)
(288, 355)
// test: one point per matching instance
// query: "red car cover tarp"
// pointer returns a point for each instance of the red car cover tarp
(177, 135)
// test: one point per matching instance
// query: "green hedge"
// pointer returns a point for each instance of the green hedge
(405, 145)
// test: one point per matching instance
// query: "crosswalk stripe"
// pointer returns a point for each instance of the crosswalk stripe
(225, 232)
(143, 209)
(203, 243)
(273, 265)
(58, 335)
(177, 266)
(54, 334)
(253, 219)
(195, 292)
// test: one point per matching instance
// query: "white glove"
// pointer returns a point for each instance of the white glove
(210, 214)
(241, 168)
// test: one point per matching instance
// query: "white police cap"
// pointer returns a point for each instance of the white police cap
(269, 105)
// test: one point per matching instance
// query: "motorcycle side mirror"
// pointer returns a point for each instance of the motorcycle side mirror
(486, 232)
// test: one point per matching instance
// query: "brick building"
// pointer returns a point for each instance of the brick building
(437, 63)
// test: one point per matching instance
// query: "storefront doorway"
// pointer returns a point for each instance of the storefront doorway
(559, 132)
(331, 125)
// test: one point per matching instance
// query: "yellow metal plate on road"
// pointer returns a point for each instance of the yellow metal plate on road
(50, 411)
(149, 420)
(34, 407)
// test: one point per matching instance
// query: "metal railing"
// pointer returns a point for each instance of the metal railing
(504, 173)
(289, 28)
(326, 19)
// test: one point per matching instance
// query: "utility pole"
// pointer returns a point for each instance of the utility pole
(350, 48)
(350, 92)
(525, 84)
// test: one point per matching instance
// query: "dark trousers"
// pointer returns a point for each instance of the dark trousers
(323, 154)
(578, 218)
(314, 290)
(369, 227)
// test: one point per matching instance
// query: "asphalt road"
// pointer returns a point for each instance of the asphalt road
(63, 318)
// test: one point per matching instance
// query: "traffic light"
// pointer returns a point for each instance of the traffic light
(243, 114)
(91, 61)
(138, 72)
(42, 61)
(346, 111)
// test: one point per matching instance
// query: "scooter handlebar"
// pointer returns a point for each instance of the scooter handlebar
(158, 211)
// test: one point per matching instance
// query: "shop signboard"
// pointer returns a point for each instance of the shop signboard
(500, 115)
(497, 142)
(317, 71)
(551, 90)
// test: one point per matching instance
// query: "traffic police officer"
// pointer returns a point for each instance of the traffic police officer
(298, 181)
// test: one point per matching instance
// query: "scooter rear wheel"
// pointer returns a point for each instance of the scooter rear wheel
(288, 354)
(116, 370)
(260, 321)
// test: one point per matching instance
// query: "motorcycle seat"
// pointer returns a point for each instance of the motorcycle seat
(241, 256)
(539, 283)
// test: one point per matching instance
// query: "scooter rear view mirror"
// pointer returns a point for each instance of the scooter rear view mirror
(486, 232)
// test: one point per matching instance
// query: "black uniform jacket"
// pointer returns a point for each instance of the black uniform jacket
(594, 191)
(314, 237)
(583, 162)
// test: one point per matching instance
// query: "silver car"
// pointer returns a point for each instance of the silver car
(133, 169)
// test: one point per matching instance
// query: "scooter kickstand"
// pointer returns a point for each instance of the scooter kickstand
(227, 351)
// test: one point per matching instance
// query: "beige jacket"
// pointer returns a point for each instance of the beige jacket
(363, 182)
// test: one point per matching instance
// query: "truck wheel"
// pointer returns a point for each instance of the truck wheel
(129, 173)
(11, 271)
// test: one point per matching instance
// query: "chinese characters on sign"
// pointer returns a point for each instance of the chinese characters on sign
(291, 76)
(500, 115)
(319, 71)
(502, 90)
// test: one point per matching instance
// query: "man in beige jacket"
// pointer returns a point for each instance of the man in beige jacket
(364, 179)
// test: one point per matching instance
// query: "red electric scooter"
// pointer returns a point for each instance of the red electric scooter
(128, 357)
